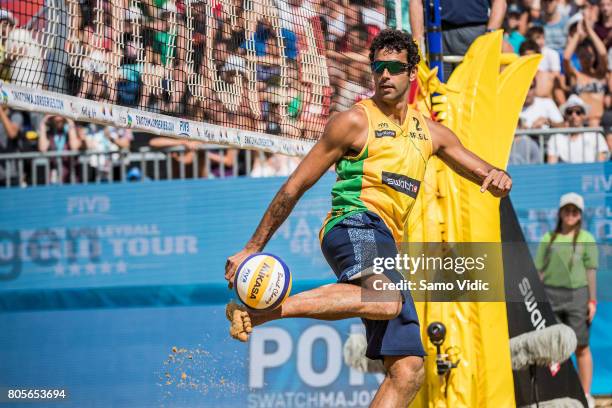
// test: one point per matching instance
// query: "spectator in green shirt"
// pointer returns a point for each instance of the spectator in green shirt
(567, 259)
(164, 42)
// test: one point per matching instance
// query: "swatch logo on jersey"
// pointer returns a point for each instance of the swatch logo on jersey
(401, 183)
(385, 133)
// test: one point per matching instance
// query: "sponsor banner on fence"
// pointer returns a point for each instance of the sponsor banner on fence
(20, 97)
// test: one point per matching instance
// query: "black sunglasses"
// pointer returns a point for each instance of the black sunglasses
(394, 67)
(578, 111)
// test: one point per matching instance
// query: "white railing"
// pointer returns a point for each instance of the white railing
(66, 167)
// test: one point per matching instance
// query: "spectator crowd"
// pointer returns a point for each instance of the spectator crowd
(572, 85)
(177, 58)
(157, 55)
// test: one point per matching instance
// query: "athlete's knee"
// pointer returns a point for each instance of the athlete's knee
(407, 373)
(388, 302)
(391, 308)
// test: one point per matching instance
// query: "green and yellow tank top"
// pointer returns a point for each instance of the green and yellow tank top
(385, 177)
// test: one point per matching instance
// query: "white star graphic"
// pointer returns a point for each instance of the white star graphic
(75, 269)
(90, 269)
(121, 267)
(59, 270)
(106, 268)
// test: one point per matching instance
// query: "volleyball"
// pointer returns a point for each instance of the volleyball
(262, 281)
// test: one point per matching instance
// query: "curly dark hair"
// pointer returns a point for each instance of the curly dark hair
(396, 40)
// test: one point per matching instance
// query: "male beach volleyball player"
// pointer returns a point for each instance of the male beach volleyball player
(380, 148)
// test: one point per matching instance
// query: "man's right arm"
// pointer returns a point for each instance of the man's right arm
(339, 136)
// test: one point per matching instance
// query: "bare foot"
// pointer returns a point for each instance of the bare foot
(240, 321)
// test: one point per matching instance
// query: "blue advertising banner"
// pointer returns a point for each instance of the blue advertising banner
(166, 242)
(537, 189)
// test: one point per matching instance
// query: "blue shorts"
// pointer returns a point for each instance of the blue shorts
(350, 248)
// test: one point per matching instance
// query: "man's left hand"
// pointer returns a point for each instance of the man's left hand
(497, 181)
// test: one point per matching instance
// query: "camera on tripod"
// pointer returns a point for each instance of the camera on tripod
(436, 332)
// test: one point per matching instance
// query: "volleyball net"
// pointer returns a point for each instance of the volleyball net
(262, 74)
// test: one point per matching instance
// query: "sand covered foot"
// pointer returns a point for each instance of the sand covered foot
(240, 321)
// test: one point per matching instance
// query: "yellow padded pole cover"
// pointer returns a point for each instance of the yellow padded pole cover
(481, 103)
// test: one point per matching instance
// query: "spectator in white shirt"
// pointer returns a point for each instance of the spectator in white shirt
(586, 147)
(539, 112)
(24, 54)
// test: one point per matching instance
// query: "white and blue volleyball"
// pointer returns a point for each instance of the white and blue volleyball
(262, 281)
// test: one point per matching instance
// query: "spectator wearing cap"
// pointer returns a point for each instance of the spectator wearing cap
(555, 22)
(567, 260)
(515, 26)
(588, 81)
(581, 147)
(462, 22)
(549, 70)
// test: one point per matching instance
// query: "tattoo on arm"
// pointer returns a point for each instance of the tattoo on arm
(277, 212)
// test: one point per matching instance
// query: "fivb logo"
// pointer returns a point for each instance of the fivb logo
(95, 204)
(401, 183)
